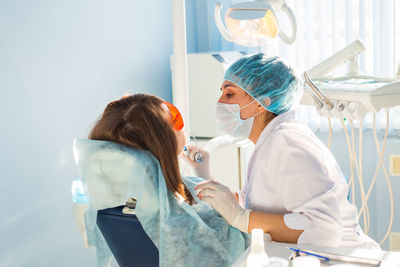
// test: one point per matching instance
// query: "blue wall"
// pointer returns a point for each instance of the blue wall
(61, 62)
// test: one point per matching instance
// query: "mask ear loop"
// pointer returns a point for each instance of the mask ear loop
(245, 106)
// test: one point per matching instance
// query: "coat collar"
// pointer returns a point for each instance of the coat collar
(274, 123)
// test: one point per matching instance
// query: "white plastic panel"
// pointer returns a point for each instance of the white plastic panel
(205, 76)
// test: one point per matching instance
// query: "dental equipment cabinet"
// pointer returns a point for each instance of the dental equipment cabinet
(348, 99)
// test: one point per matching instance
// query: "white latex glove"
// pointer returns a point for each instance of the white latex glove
(221, 198)
(201, 169)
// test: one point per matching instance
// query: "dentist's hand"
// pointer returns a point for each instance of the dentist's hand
(221, 198)
(201, 169)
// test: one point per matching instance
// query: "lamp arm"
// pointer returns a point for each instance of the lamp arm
(217, 16)
(292, 19)
(342, 56)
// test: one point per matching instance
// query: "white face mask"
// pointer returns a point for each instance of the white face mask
(228, 116)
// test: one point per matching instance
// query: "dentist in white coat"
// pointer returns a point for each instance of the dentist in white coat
(295, 190)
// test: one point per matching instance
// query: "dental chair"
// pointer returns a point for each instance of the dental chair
(127, 240)
(112, 174)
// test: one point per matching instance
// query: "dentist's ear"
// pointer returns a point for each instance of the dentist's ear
(260, 108)
(267, 101)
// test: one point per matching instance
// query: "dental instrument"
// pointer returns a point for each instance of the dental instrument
(198, 157)
(334, 257)
(298, 251)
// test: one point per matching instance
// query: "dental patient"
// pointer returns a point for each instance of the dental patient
(133, 152)
(148, 123)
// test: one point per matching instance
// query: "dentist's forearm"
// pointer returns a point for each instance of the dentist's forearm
(273, 224)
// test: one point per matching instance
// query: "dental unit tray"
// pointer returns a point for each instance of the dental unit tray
(354, 96)
(350, 96)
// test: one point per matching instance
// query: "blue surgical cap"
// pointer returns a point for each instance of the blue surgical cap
(263, 76)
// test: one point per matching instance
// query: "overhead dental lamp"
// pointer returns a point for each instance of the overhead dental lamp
(254, 23)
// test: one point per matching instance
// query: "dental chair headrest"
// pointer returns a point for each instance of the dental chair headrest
(109, 169)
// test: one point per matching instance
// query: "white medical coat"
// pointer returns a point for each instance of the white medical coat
(292, 172)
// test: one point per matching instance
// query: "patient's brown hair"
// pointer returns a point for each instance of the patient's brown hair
(140, 121)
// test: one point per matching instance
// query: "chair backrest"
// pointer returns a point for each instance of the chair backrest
(126, 238)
